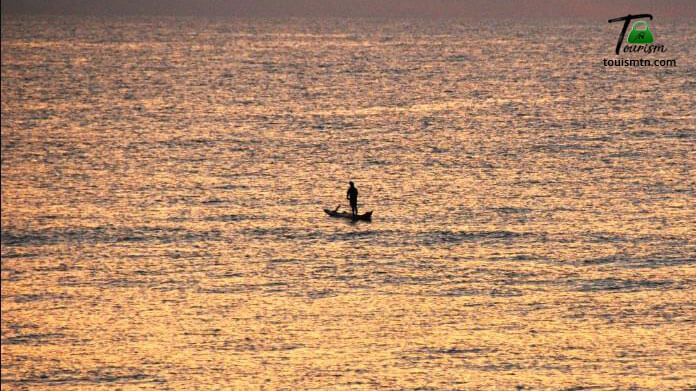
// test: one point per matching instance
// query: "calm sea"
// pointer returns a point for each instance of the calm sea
(163, 182)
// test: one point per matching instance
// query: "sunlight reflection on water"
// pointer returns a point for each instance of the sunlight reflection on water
(163, 183)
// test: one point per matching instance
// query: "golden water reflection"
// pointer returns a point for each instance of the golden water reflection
(162, 191)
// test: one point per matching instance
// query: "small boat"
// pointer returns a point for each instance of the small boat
(347, 215)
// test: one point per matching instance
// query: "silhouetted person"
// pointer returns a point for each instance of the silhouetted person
(352, 195)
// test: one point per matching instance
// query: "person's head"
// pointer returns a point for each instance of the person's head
(352, 184)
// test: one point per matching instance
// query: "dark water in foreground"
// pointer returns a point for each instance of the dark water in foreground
(163, 180)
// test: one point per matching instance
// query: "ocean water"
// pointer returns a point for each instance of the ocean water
(163, 182)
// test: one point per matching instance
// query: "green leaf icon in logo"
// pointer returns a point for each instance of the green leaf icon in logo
(640, 36)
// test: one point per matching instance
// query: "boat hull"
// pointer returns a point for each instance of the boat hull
(364, 217)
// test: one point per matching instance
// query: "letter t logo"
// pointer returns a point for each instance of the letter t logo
(627, 20)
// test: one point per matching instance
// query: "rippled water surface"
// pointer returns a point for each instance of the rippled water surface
(163, 183)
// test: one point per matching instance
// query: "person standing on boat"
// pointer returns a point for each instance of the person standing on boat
(352, 196)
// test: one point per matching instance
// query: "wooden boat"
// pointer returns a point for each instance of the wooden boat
(347, 215)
